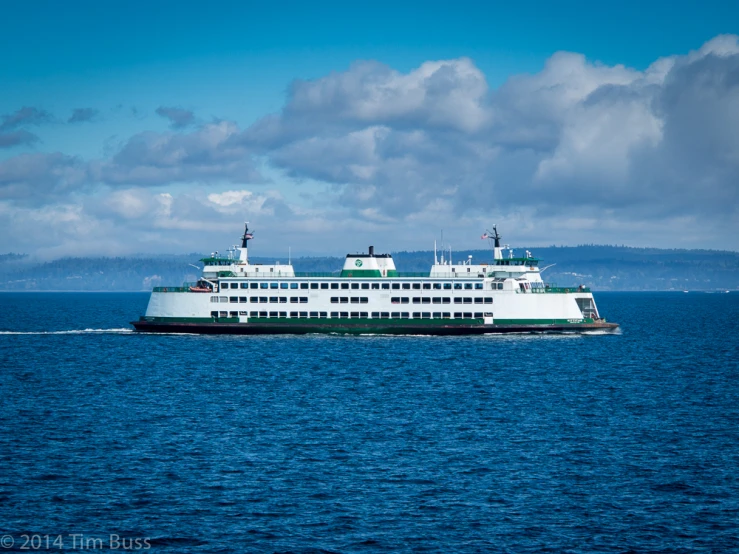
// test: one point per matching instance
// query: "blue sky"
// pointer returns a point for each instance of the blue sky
(282, 124)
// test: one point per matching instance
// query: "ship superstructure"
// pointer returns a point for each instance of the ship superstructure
(369, 295)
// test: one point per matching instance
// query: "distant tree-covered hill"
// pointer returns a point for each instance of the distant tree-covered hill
(601, 267)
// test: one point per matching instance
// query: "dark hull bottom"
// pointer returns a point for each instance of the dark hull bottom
(361, 329)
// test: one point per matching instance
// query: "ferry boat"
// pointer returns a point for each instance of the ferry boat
(370, 296)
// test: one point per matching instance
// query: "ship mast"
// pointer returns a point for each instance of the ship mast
(245, 238)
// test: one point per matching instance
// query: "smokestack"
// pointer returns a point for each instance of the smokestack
(371, 250)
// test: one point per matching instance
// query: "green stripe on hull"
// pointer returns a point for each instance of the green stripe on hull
(361, 273)
(365, 321)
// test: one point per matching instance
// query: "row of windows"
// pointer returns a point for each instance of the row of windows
(348, 300)
(260, 299)
(440, 300)
(375, 315)
(355, 286)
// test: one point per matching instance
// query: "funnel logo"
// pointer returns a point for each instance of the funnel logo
(358, 263)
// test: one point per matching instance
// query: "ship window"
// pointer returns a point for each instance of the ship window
(283, 285)
(355, 314)
(334, 285)
(458, 300)
(375, 286)
(244, 285)
(273, 299)
(254, 299)
(454, 270)
(274, 285)
(334, 299)
(478, 314)
(362, 314)
(437, 315)
(263, 314)
(427, 286)
(355, 300)
(293, 299)
(283, 299)
(334, 314)
(344, 300)
(242, 299)
(488, 314)
(303, 314)
(314, 314)
(355, 286)
(324, 286)
(254, 285)
(488, 300)
(468, 286)
(436, 300)
(303, 299)
(468, 300)
(407, 286)
(283, 314)
(416, 286)
(293, 285)
(344, 286)
(263, 285)
(447, 286)
(293, 314)
(457, 286)
(446, 315)
(446, 300)
(396, 286)
(395, 315)
(322, 314)
(253, 314)
(478, 300)
(468, 269)
(224, 285)
(363, 300)
(478, 286)
(385, 286)
(404, 300)
(314, 286)
(273, 314)
(395, 300)
(416, 299)
(224, 299)
(500, 286)
(425, 301)
(263, 299)
(417, 315)
(365, 286)
(457, 315)
(213, 314)
(468, 315)
(343, 314)
(384, 315)
(437, 286)
(404, 315)
(426, 315)
(214, 299)
(303, 285)
(375, 314)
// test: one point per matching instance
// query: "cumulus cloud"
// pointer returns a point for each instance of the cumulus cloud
(204, 155)
(17, 138)
(577, 136)
(80, 115)
(41, 178)
(24, 116)
(179, 118)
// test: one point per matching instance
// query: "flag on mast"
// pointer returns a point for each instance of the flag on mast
(485, 236)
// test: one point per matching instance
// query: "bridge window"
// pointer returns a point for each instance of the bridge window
(283, 285)
(293, 285)
(324, 286)
(385, 286)
(314, 286)
(427, 286)
(478, 286)
(244, 285)
(254, 285)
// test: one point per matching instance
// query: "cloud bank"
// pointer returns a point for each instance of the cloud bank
(578, 152)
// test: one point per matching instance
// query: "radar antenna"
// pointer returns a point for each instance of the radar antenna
(493, 236)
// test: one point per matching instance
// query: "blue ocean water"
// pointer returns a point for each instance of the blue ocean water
(525, 443)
